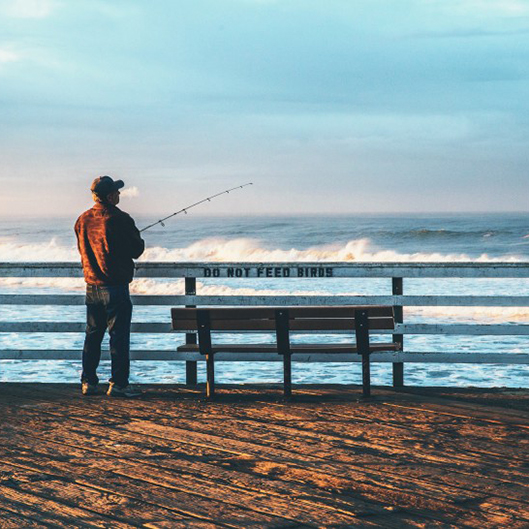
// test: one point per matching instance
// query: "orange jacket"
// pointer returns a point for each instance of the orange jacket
(108, 240)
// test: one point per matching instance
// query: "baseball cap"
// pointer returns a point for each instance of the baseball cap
(104, 185)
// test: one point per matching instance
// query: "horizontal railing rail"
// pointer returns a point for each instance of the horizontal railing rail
(313, 271)
(165, 327)
(285, 270)
(169, 355)
(257, 300)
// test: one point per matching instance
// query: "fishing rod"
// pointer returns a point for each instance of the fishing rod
(184, 210)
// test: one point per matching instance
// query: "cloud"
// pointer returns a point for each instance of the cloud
(29, 8)
(506, 7)
(130, 192)
(8, 56)
(484, 7)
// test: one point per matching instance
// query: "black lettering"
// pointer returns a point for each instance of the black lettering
(300, 272)
(286, 272)
(277, 272)
(238, 272)
(230, 272)
(313, 272)
(216, 272)
(321, 272)
(207, 272)
(260, 272)
(269, 272)
(247, 272)
(329, 272)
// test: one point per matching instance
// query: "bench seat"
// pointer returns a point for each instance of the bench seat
(294, 348)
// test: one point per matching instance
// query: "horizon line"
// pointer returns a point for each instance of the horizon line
(26, 216)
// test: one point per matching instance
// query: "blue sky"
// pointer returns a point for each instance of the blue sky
(336, 106)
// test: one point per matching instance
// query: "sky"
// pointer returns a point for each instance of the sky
(335, 106)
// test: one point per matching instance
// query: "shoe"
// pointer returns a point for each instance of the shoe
(127, 391)
(88, 389)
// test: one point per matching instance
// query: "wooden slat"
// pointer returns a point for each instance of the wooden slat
(190, 325)
(295, 312)
(299, 312)
(271, 300)
(51, 509)
(409, 301)
(226, 313)
(79, 299)
(60, 327)
(311, 324)
(255, 270)
(299, 348)
(345, 311)
(462, 329)
(42, 299)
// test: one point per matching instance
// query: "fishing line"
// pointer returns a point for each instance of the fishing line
(184, 210)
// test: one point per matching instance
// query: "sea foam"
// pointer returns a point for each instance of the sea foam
(243, 250)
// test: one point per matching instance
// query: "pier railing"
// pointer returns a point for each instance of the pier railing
(395, 273)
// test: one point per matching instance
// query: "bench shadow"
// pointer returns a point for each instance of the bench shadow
(233, 394)
(509, 398)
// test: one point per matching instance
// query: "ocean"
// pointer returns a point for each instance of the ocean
(354, 238)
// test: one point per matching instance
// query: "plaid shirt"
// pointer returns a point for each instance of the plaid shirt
(108, 240)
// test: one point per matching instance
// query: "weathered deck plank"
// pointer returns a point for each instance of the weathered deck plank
(28, 500)
(134, 446)
(421, 458)
(177, 483)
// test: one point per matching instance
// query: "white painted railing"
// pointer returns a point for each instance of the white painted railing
(281, 272)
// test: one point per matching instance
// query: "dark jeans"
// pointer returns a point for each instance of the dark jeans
(107, 307)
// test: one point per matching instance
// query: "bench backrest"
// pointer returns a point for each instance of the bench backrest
(310, 318)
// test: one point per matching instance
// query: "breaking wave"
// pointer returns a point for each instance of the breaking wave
(244, 249)
(251, 250)
(248, 250)
(12, 250)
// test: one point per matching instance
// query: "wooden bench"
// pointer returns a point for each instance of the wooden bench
(283, 320)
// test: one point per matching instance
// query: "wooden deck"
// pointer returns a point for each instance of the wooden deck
(411, 458)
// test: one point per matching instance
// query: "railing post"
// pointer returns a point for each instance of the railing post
(191, 338)
(362, 344)
(398, 367)
(283, 347)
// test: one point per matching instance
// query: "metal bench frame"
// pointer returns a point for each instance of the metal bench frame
(283, 320)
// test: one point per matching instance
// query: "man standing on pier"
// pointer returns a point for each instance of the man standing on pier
(108, 241)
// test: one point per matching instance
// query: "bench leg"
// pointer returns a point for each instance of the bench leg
(210, 383)
(366, 375)
(362, 342)
(204, 341)
(283, 348)
(287, 375)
